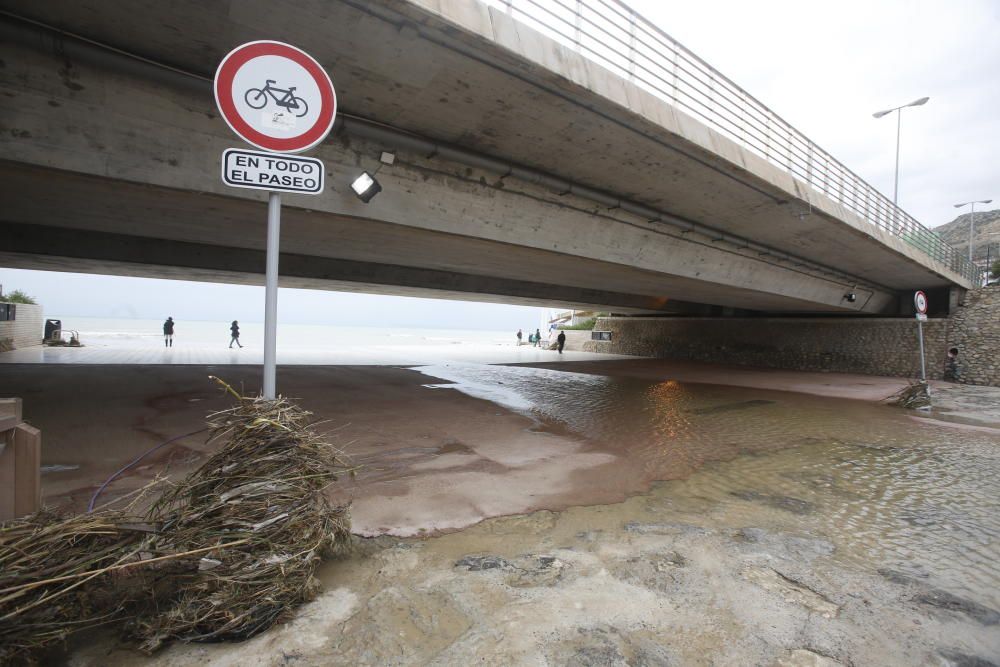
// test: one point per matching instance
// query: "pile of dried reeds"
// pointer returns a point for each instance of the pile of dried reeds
(223, 554)
(56, 577)
(262, 492)
(914, 396)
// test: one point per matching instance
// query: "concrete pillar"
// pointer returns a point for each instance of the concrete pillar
(20, 463)
(956, 298)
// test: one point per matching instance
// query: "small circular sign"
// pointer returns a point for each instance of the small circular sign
(275, 97)
(920, 301)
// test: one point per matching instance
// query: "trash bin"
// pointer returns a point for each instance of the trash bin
(52, 326)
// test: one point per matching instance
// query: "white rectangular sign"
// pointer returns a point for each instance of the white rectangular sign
(922, 317)
(272, 172)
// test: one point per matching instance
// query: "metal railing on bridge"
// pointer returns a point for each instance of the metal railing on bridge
(613, 35)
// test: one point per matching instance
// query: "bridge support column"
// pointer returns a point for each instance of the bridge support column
(956, 298)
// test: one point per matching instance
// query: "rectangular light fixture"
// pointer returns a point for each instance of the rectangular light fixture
(365, 187)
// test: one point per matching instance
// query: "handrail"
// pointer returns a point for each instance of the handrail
(613, 35)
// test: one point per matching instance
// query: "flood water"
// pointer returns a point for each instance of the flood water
(743, 527)
(890, 491)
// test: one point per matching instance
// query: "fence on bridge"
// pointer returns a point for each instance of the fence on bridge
(613, 35)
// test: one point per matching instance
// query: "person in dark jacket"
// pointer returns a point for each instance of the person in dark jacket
(235, 331)
(538, 337)
(168, 332)
(561, 341)
(519, 334)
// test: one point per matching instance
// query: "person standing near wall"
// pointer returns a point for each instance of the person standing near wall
(519, 336)
(561, 341)
(952, 373)
(168, 332)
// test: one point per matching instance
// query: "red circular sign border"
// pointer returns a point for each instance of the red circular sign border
(917, 294)
(239, 56)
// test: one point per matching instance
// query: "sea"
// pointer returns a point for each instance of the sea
(96, 331)
(197, 341)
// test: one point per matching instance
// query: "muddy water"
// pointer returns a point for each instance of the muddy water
(918, 497)
(791, 531)
(786, 530)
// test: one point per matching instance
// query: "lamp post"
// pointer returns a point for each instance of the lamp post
(989, 247)
(899, 115)
(972, 218)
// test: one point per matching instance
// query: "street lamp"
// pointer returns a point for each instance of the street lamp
(899, 114)
(989, 247)
(972, 218)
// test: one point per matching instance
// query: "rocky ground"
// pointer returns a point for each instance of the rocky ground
(666, 578)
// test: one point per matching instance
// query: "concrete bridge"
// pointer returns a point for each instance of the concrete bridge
(585, 162)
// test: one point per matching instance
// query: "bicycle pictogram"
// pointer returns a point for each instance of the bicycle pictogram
(257, 98)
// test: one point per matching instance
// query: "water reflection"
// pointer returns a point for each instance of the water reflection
(888, 491)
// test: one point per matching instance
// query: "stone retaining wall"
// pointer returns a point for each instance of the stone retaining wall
(852, 345)
(975, 331)
(26, 330)
(874, 346)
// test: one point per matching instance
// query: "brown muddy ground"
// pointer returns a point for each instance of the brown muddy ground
(796, 530)
(833, 385)
(431, 459)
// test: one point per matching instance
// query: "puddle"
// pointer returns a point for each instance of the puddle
(57, 467)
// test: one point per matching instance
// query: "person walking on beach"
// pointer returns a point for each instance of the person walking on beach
(561, 341)
(519, 335)
(168, 332)
(538, 337)
(235, 331)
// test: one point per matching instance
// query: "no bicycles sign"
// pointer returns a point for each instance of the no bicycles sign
(275, 96)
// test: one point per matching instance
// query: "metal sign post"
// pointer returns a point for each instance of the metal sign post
(271, 295)
(920, 335)
(278, 98)
(920, 302)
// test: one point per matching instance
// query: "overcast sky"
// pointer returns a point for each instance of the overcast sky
(825, 67)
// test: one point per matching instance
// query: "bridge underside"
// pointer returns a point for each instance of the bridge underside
(54, 220)
(111, 165)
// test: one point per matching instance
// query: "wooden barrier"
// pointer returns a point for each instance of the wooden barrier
(20, 462)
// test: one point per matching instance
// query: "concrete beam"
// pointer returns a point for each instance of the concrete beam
(56, 248)
(672, 267)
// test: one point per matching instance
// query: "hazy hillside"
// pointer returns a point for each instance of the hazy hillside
(987, 231)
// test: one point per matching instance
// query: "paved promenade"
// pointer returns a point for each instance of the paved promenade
(374, 355)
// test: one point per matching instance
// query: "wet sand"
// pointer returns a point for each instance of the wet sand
(834, 385)
(432, 459)
(873, 544)
(687, 574)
